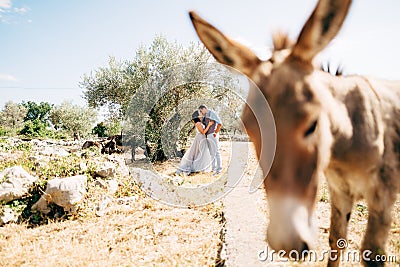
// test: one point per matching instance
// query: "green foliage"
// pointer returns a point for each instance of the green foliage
(35, 128)
(57, 167)
(100, 130)
(73, 118)
(64, 167)
(57, 135)
(12, 118)
(324, 196)
(17, 205)
(37, 112)
(104, 87)
(49, 167)
(28, 118)
(363, 209)
(33, 120)
(107, 128)
(22, 208)
(3, 131)
(114, 127)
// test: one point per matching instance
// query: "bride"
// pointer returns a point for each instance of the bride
(197, 158)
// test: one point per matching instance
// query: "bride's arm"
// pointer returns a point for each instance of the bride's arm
(200, 127)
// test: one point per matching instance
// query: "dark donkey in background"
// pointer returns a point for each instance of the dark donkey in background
(346, 128)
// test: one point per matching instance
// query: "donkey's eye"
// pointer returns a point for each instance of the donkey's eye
(311, 129)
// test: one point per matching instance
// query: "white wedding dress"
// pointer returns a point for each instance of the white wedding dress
(197, 158)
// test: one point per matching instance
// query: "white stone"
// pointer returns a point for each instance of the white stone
(102, 208)
(17, 183)
(112, 186)
(123, 169)
(54, 151)
(65, 192)
(38, 143)
(83, 166)
(106, 170)
(7, 215)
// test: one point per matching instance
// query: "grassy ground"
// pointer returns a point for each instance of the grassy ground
(143, 233)
(133, 230)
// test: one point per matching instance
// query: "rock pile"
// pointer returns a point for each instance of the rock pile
(19, 183)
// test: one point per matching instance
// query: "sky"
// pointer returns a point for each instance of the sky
(47, 46)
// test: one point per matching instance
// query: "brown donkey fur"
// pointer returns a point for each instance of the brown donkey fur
(346, 128)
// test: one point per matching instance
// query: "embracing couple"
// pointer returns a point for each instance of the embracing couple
(204, 152)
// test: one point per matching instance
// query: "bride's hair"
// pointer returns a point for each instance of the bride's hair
(195, 117)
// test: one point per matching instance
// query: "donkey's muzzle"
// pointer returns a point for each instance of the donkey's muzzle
(291, 227)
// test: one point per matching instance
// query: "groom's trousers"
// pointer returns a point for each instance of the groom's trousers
(213, 146)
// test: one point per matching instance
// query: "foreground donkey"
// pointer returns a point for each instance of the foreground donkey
(346, 128)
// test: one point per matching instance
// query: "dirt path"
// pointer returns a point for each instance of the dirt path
(245, 226)
(245, 215)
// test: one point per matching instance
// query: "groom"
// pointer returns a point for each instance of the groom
(212, 136)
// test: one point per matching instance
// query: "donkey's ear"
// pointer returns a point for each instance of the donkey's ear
(322, 26)
(225, 50)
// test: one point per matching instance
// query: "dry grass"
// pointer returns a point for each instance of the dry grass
(144, 232)
(140, 233)
(134, 230)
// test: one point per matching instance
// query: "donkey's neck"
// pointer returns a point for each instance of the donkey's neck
(359, 114)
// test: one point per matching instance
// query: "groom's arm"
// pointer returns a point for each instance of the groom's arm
(217, 120)
(218, 128)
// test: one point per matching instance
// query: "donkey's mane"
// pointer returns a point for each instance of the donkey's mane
(281, 41)
(327, 67)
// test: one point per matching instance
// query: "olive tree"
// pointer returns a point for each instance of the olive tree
(12, 117)
(147, 78)
(73, 119)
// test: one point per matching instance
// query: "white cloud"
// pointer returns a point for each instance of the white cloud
(12, 15)
(21, 10)
(7, 77)
(5, 4)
